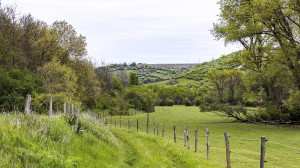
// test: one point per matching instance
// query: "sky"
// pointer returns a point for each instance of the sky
(141, 31)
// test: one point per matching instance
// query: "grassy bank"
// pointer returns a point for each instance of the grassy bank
(64, 141)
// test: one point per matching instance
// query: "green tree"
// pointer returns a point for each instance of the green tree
(58, 78)
(219, 78)
(141, 98)
(268, 30)
(88, 87)
(133, 79)
(73, 44)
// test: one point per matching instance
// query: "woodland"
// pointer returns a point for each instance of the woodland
(259, 84)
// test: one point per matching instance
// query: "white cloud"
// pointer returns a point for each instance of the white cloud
(153, 31)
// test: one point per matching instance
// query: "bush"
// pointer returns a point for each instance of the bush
(141, 98)
(197, 101)
(294, 106)
(172, 82)
(166, 102)
(208, 103)
(14, 85)
(170, 102)
(187, 102)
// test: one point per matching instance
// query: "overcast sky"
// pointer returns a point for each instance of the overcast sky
(146, 31)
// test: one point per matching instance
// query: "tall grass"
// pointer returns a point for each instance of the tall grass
(41, 141)
(70, 141)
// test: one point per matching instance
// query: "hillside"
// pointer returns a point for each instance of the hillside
(194, 75)
(182, 66)
(197, 73)
(161, 73)
(150, 73)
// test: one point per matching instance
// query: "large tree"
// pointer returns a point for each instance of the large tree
(73, 44)
(268, 30)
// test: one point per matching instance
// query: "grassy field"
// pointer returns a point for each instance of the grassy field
(63, 141)
(244, 138)
(181, 81)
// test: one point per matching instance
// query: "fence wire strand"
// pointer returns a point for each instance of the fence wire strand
(169, 129)
(284, 145)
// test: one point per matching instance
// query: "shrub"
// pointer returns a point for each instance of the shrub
(170, 102)
(14, 85)
(294, 106)
(141, 98)
(187, 102)
(172, 82)
(197, 101)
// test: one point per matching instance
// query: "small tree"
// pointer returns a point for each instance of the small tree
(58, 78)
(133, 79)
(219, 79)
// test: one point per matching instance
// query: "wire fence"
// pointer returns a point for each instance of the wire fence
(166, 128)
(139, 122)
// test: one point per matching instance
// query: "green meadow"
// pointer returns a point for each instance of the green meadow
(282, 147)
(64, 141)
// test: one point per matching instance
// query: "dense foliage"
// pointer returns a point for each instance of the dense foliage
(269, 33)
(41, 59)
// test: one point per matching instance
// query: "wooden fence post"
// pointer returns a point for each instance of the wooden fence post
(184, 134)
(27, 105)
(137, 125)
(187, 138)
(263, 150)
(163, 130)
(174, 134)
(78, 110)
(65, 107)
(72, 109)
(147, 123)
(128, 125)
(196, 139)
(103, 118)
(154, 125)
(227, 149)
(50, 110)
(207, 143)
(157, 130)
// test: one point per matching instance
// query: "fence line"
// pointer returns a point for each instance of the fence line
(140, 123)
(168, 125)
(248, 139)
(284, 145)
(170, 129)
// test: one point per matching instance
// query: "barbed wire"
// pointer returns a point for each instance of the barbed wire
(284, 145)
(143, 122)
(248, 139)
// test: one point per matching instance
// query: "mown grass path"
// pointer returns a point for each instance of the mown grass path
(141, 150)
